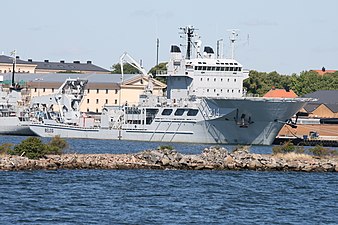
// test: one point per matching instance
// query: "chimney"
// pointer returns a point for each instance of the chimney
(89, 62)
(46, 61)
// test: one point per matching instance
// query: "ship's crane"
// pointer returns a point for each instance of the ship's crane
(125, 57)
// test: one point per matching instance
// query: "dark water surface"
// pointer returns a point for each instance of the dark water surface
(164, 197)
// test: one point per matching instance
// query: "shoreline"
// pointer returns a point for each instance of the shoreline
(213, 158)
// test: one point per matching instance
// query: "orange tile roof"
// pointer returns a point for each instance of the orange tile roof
(321, 72)
(280, 93)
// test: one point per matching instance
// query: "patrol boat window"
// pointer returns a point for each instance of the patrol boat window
(192, 112)
(179, 112)
(150, 115)
(167, 112)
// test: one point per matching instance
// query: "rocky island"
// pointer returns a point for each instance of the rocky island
(213, 158)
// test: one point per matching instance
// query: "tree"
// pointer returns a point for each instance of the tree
(160, 68)
(127, 69)
(34, 148)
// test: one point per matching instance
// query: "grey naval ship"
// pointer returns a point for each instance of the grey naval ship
(205, 103)
(14, 117)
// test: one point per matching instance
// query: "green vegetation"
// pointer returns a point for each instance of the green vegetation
(127, 69)
(69, 71)
(304, 83)
(160, 68)
(34, 148)
(320, 151)
(5, 148)
(164, 147)
(289, 147)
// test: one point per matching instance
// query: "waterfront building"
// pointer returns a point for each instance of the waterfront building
(101, 90)
(32, 66)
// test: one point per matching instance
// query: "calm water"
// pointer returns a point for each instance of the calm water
(164, 197)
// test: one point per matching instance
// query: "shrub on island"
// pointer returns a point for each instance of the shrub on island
(34, 148)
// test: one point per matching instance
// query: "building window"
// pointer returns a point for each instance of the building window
(35, 90)
(52, 90)
(106, 91)
(106, 101)
(207, 90)
(214, 79)
(116, 91)
(44, 89)
(97, 111)
(97, 101)
(88, 91)
(88, 101)
(235, 79)
(87, 109)
(115, 101)
(97, 91)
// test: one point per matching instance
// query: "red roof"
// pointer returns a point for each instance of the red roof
(280, 93)
(321, 72)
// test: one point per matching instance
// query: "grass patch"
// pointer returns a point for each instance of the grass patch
(291, 156)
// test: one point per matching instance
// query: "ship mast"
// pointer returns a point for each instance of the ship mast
(13, 53)
(188, 31)
(233, 38)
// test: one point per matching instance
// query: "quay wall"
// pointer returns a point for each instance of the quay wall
(213, 158)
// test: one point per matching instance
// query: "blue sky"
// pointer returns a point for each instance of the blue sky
(286, 36)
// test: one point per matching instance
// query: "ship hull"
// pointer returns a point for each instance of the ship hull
(13, 126)
(227, 121)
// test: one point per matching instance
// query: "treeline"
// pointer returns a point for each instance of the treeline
(304, 83)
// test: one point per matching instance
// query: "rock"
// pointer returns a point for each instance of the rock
(254, 164)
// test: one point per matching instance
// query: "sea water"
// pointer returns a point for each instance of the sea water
(164, 197)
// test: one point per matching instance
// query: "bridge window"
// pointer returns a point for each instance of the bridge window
(150, 115)
(179, 112)
(167, 112)
(192, 112)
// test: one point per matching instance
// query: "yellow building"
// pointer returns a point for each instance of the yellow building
(101, 90)
(6, 65)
